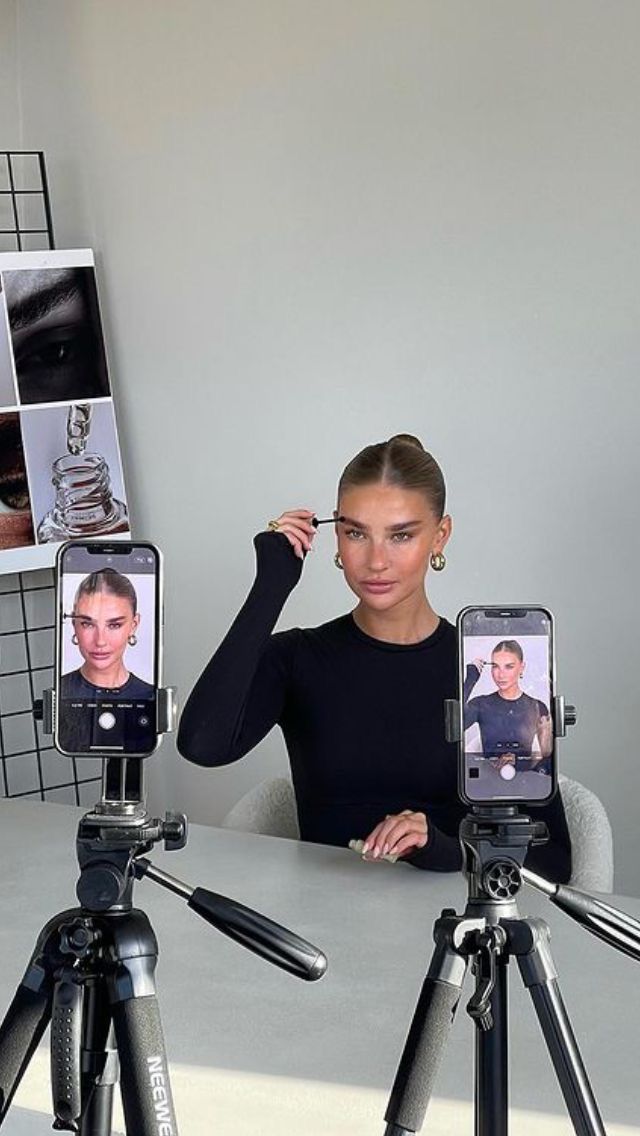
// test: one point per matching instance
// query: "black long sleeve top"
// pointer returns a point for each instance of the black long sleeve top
(362, 720)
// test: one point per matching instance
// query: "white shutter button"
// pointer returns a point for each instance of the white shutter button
(107, 720)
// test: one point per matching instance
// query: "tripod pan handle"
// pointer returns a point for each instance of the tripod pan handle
(274, 943)
(617, 928)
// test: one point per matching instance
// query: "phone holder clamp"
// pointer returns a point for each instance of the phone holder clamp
(44, 710)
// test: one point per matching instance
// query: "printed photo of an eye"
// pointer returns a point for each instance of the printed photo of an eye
(56, 334)
(7, 388)
(16, 522)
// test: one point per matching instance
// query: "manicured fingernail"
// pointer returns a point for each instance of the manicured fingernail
(365, 848)
(385, 849)
(376, 853)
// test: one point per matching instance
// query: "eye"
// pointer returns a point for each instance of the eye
(48, 350)
(354, 534)
(401, 537)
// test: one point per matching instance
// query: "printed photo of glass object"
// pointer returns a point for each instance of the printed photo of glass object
(80, 492)
(16, 522)
(56, 333)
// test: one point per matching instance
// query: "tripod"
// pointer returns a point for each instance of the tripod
(486, 937)
(92, 971)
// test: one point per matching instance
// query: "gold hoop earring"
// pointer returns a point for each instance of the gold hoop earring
(337, 561)
(74, 639)
(438, 561)
(132, 640)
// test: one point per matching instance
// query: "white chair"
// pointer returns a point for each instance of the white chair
(270, 808)
(590, 835)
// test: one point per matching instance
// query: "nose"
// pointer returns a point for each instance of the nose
(378, 556)
(99, 636)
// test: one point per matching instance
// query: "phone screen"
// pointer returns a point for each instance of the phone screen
(507, 691)
(107, 658)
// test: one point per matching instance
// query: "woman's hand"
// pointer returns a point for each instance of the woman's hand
(479, 664)
(296, 525)
(397, 835)
(504, 759)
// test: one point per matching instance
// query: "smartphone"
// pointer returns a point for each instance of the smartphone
(108, 648)
(507, 689)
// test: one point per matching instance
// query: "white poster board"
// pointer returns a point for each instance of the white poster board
(60, 466)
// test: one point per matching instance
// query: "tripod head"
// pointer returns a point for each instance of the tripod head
(115, 837)
(495, 840)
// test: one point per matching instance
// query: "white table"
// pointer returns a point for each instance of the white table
(256, 1051)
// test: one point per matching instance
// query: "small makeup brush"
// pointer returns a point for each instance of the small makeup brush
(315, 521)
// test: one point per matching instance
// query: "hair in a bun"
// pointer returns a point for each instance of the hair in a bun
(401, 461)
(410, 440)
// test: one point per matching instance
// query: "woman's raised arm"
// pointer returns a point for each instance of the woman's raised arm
(240, 693)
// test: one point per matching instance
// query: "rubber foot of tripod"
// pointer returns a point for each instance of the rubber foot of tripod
(398, 1130)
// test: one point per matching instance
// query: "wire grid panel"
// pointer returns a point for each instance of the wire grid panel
(25, 210)
(30, 765)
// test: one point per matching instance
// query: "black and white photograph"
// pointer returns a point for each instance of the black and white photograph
(55, 327)
(7, 385)
(16, 521)
(75, 472)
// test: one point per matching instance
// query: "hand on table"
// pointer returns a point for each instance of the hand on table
(396, 835)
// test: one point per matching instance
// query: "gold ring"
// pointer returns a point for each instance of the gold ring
(273, 525)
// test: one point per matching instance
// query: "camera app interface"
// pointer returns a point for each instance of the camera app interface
(108, 650)
(507, 702)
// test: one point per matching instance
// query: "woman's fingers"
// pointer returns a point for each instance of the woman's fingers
(410, 831)
(296, 525)
(384, 838)
(296, 542)
(371, 841)
(408, 843)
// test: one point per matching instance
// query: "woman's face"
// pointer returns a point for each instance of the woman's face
(385, 542)
(506, 669)
(102, 624)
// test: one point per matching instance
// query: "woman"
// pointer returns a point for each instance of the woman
(509, 720)
(359, 699)
(105, 620)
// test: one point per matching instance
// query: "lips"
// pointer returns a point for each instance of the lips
(376, 586)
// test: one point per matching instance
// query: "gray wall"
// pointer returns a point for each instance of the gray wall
(10, 133)
(321, 223)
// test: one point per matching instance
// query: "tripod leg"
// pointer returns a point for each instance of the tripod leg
(24, 1024)
(540, 976)
(429, 1031)
(492, 1063)
(99, 1061)
(144, 1076)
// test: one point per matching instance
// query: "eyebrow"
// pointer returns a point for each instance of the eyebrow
(390, 528)
(90, 619)
(42, 303)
